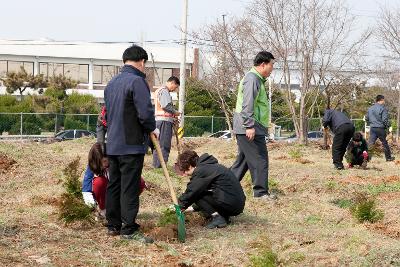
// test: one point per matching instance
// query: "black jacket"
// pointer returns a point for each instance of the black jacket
(357, 151)
(130, 114)
(334, 119)
(209, 175)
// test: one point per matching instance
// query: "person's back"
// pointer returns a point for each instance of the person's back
(334, 119)
(375, 116)
(214, 189)
(129, 116)
(226, 188)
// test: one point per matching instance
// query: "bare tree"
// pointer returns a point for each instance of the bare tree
(227, 55)
(388, 31)
(312, 41)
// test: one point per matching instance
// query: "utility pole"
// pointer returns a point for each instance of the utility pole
(183, 63)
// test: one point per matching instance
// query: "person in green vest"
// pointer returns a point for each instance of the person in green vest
(250, 124)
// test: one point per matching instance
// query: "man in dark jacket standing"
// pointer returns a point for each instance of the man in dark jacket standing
(378, 119)
(250, 124)
(130, 120)
(213, 188)
(343, 129)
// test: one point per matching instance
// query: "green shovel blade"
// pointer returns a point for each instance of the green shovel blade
(181, 224)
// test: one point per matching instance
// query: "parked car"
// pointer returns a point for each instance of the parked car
(312, 136)
(73, 134)
(226, 134)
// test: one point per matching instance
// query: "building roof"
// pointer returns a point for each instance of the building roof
(87, 50)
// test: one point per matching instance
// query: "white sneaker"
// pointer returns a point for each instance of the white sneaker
(268, 197)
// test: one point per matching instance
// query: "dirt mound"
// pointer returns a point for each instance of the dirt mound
(164, 233)
(386, 228)
(6, 163)
(192, 144)
(195, 219)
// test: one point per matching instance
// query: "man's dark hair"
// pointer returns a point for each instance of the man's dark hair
(95, 158)
(357, 137)
(135, 53)
(174, 79)
(379, 98)
(186, 159)
(263, 57)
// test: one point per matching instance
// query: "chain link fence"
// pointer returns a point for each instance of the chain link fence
(50, 123)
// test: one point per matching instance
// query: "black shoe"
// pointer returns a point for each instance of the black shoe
(138, 236)
(390, 159)
(338, 166)
(217, 222)
(113, 231)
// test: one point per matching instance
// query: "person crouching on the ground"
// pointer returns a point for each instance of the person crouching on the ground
(343, 129)
(98, 164)
(357, 151)
(214, 189)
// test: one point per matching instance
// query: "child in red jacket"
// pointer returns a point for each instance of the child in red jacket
(98, 164)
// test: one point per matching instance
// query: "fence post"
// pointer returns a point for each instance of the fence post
(55, 124)
(87, 122)
(21, 126)
(212, 124)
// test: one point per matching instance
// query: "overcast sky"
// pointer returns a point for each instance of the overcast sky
(123, 20)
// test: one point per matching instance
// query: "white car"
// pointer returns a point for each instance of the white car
(226, 135)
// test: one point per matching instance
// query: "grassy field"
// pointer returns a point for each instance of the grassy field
(309, 225)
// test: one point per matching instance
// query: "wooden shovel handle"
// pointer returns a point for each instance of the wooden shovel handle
(164, 167)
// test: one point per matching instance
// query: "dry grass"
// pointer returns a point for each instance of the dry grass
(303, 228)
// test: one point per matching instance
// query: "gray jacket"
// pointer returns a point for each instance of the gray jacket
(245, 119)
(378, 116)
(165, 99)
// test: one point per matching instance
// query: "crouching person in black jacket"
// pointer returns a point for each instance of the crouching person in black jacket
(213, 188)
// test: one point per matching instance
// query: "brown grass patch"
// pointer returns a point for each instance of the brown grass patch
(6, 163)
(387, 229)
(363, 180)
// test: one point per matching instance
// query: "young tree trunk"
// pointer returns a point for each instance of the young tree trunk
(398, 119)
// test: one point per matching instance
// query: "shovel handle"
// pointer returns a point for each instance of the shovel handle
(164, 167)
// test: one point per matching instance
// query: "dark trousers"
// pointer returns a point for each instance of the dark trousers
(123, 189)
(355, 159)
(253, 156)
(342, 138)
(207, 205)
(380, 133)
(165, 128)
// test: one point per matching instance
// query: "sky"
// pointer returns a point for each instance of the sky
(122, 20)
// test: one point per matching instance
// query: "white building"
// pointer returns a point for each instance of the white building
(91, 64)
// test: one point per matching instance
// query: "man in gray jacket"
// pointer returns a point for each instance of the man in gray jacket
(378, 119)
(250, 124)
(165, 115)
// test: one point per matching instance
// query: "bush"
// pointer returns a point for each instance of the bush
(266, 258)
(71, 123)
(168, 216)
(7, 121)
(295, 153)
(28, 128)
(193, 130)
(72, 208)
(364, 209)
